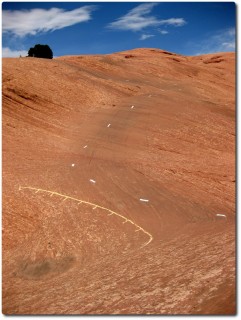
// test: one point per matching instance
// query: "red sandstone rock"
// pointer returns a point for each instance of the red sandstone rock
(176, 148)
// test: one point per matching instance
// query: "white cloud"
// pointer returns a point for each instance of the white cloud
(138, 18)
(231, 32)
(30, 22)
(8, 53)
(177, 22)
(163, 31)
(221, 41)
(228, 45)
(146, 36)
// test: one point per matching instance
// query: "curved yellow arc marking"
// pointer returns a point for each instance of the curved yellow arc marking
(139, 228)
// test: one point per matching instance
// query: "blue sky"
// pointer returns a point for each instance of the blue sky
(75, 28)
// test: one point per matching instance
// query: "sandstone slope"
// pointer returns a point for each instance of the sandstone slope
(143, 124)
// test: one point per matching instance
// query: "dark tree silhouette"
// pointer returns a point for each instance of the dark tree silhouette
(31, 52)
(41, 51)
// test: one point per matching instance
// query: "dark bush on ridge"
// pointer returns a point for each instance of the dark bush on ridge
(41, 51)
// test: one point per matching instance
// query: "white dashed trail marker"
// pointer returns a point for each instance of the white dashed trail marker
(132, 107)
(85, 146)
(144, 200)
(108, 125)
(72, 165)
(93, 181)
(221, 215)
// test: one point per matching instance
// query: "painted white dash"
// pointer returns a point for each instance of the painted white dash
(72, 165)
(132, 107)
(221, 215)
(108, 125)
(144, 200)
(93, 181)
(85, 146)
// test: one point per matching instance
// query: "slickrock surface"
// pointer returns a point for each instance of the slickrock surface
(84, 139)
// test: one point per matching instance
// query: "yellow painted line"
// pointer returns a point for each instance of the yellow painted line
(139, 228)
